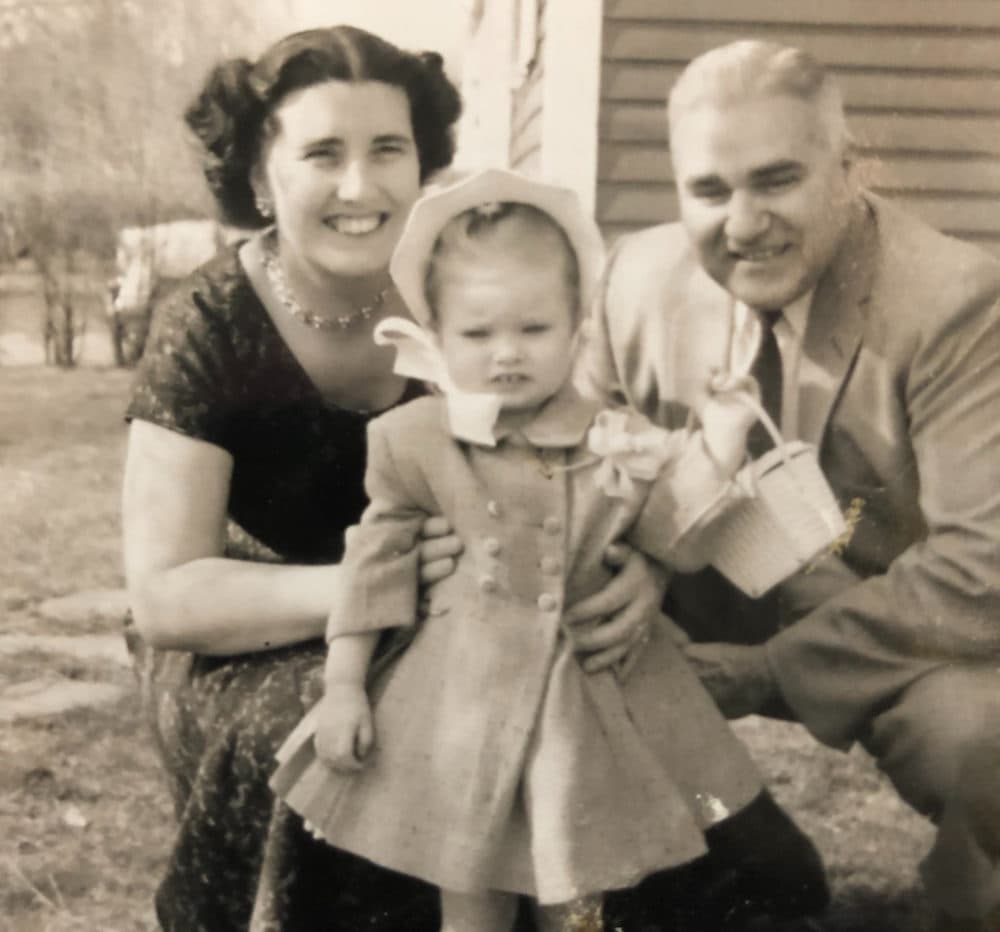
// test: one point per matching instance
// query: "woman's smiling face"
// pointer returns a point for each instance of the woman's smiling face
(342, 172)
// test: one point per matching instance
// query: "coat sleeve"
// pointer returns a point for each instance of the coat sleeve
(688, 496)
(379, 573)
(595, 373)
(619, 361)
(939, 600)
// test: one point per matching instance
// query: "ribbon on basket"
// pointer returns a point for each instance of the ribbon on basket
(742, 389)
(471, 415)
(630, 448)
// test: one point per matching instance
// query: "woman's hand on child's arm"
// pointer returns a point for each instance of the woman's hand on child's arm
(439, 548)
(610, 623)
(345, 733)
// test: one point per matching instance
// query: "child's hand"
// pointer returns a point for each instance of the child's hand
(345, 733)
(726, 420)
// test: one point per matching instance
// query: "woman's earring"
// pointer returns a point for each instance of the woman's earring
(264, 206)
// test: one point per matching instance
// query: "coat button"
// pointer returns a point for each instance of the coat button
(547, 602)
(552, 525)
(551, 566)
(488, 584)
(493, 509)
(492, 546)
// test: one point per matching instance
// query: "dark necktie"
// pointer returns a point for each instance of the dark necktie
(766, 370)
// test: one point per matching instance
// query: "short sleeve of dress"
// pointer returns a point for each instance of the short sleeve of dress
(187, 379)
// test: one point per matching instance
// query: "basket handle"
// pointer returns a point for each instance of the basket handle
(725, 383)
(751, 402)
(748, 401)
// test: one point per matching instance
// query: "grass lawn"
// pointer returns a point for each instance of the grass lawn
(84, 815)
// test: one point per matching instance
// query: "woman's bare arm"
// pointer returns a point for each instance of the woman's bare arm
(184, 594)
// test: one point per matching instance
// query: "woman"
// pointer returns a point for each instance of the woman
(251, 404)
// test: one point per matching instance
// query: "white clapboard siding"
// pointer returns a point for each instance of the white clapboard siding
(879, 13)
(526, 122)
(527, 106)
(921, 82)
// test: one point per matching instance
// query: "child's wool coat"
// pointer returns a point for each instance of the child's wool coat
(499, 763)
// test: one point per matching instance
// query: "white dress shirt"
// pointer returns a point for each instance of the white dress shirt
(789, 331)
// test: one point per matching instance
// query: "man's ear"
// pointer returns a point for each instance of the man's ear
(850, 159)
(859, 171)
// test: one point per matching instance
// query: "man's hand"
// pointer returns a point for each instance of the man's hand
(611, 623)
(345, 732)
(738, 677)
(439, 549)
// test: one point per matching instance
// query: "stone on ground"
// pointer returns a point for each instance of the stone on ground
(53, 695)
(80, 646)
(81, 607)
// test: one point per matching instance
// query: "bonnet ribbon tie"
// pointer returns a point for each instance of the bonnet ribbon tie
(471, 415)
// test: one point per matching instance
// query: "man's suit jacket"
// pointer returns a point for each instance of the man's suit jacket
(899, 386)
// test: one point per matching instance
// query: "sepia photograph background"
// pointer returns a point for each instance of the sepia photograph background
(102, 207)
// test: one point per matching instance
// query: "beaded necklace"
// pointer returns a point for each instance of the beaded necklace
(283, 292)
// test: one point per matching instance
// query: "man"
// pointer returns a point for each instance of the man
(877, 339)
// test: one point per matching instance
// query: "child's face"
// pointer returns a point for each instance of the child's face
(508, 331)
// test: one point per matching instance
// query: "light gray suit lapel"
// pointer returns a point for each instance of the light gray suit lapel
(836, 321)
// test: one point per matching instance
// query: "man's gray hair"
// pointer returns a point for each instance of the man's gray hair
(752, 68)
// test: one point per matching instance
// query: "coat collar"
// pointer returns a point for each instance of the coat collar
(562, 422)
(836, 320)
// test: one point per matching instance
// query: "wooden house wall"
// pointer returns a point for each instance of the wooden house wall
(921, 81)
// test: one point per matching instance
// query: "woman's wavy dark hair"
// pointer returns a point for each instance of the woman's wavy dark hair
(231, 115)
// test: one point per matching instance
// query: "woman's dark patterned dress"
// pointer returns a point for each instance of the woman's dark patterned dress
(216, 369)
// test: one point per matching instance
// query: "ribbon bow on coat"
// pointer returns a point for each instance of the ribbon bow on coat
(471, 415)
(630, 448)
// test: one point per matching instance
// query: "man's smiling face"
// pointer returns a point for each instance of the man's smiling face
(764, 194)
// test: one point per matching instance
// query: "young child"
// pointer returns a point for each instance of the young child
(502, 768)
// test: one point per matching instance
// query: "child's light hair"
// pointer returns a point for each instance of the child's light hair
(518, 234)
(752, 68)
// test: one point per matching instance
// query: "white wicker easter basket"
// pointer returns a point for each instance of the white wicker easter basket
(789, 520)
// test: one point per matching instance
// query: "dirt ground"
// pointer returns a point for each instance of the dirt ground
(84, 816)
